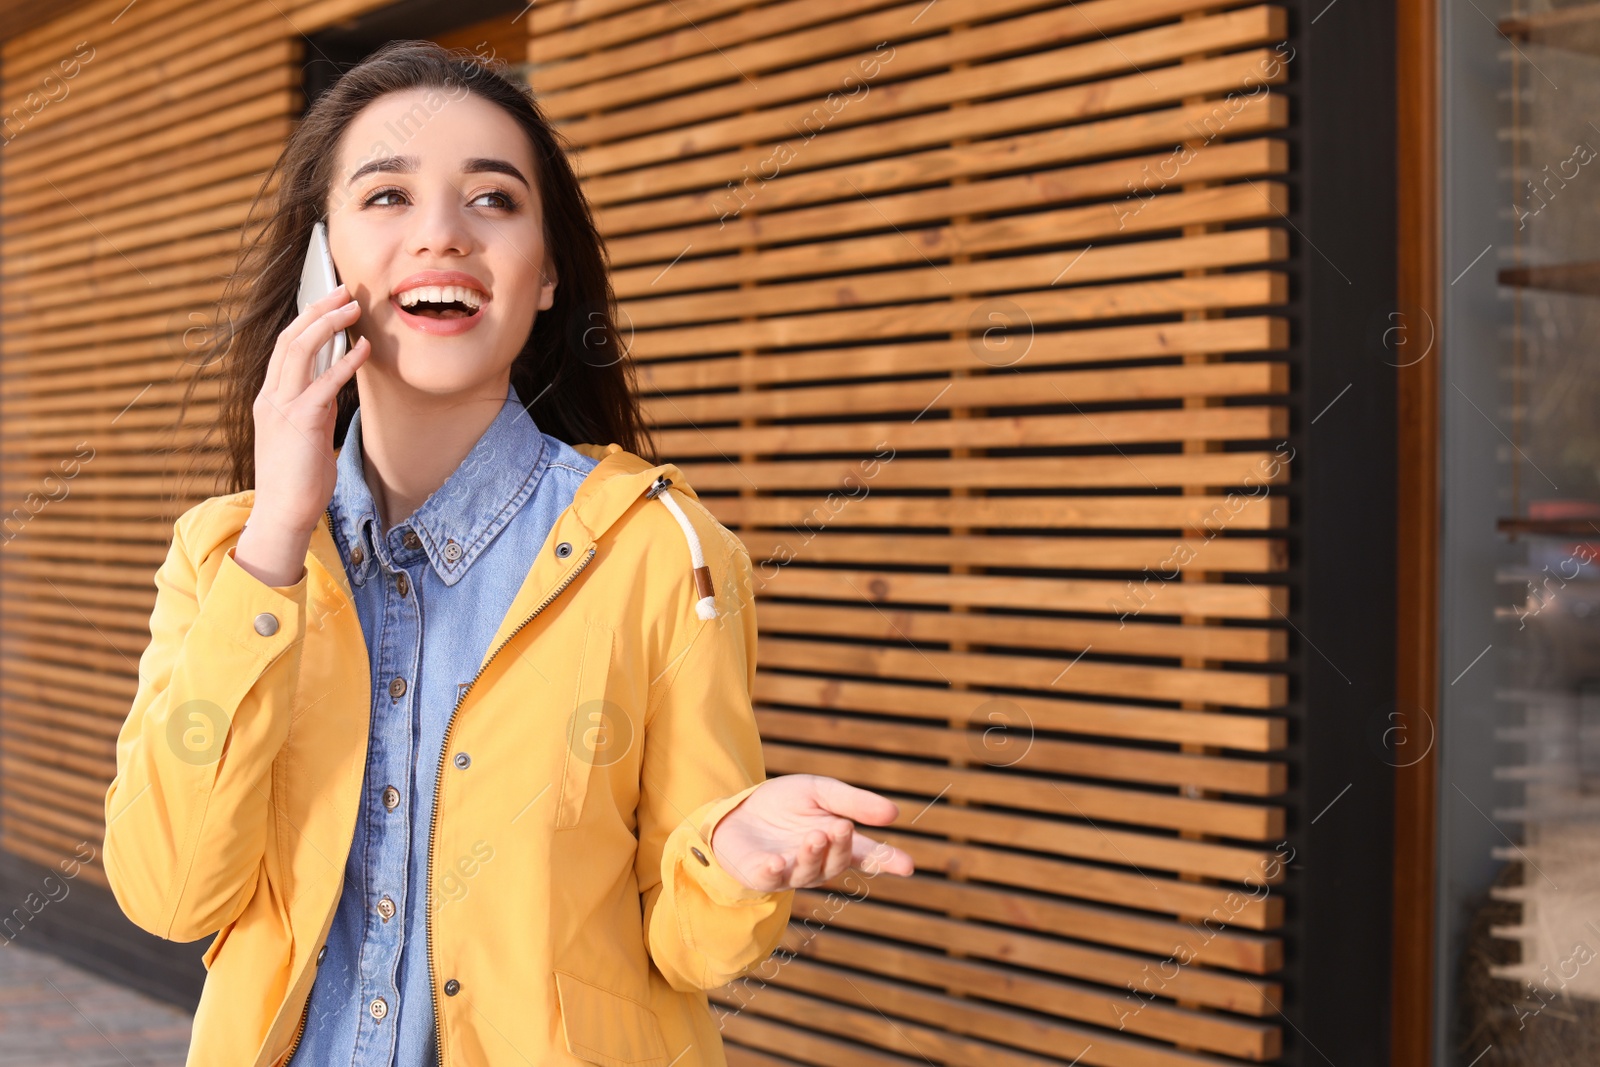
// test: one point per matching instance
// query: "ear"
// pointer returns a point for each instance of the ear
(547, 291)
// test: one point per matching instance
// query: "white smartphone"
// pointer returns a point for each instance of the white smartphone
(317, 279)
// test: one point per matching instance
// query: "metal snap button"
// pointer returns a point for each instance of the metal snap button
(701, 856)
(564, 549)
(452, 551)
(452, 987)
(356, 555)
(397, 687)
(321, 952)
(402, 583)
(463, 760)
(386, 908)
(379, 1007)
(266, 624)
(391, 797)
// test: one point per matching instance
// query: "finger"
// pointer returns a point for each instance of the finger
(855, 803)
(760, 870)
(297, 368)
(809, 857)
(297, 326)
(880, 857)
(841, 850)
(770, 871)
(325, 390)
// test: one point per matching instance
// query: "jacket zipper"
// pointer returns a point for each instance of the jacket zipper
(305, 1013)
(433, 821)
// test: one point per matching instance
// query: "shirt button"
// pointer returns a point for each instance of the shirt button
(391, 797)
(356, 555)
(411, 540)
(379, 1007)
(452, 551)
(402, 583)
(463, 760)
(397, 687)
(701, 856)
(321, 952)
(266, 624)
(386, 908)
(452, 987)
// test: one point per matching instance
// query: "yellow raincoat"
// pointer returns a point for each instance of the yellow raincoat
(577, 911)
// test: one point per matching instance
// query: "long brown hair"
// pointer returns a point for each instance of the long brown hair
(571, 374)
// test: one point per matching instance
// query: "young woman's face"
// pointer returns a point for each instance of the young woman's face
(435, 198)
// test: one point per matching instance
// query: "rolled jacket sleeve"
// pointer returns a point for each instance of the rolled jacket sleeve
(702, 758)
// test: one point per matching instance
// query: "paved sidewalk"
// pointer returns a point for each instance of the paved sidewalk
(53, 1014)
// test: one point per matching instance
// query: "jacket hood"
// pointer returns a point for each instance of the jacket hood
(621, 478)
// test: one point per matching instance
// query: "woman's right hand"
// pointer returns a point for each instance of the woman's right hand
(294, 423)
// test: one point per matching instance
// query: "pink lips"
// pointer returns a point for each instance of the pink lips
(440, 327)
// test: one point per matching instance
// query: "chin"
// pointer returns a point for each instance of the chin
(429, 373)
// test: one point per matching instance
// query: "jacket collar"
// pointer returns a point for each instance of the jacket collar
(459, 520)
(619, 480)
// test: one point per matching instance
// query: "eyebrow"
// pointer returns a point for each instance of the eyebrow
(408, 165)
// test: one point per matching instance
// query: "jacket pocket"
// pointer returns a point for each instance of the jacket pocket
(216, 944)
(595, 726)
(608, 1028)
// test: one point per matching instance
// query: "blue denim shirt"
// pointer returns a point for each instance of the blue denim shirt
(430, 592)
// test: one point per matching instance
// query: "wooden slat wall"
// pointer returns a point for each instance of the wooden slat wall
(946, 515)
(121, 205)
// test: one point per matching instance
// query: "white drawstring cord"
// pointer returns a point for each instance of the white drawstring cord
(706, 606)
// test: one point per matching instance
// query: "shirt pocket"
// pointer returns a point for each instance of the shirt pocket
(597, 731)
(608, 1028)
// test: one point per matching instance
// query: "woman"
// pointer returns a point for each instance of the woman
(445, 725)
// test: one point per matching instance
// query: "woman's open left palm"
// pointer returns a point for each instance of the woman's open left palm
(798, 830)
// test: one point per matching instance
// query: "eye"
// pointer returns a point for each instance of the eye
(507, 201)
(369, 201)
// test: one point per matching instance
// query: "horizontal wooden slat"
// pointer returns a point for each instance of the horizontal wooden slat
(1082, 345)
(1001, 388)
(1121, 636)
(864, 434)
(1246, 289)
(1016, 746)
(1164, 555)
(1231, 600)
(1210, 514)
(1251, 822)
(970, 707)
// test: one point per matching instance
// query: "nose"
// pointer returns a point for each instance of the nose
(439, 225)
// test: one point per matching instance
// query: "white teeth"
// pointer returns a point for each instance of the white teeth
(441, 294)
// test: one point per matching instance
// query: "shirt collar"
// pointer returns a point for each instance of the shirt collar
(459, 520)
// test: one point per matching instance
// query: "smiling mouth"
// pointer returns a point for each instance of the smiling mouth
(441, 302)
(449, 310)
